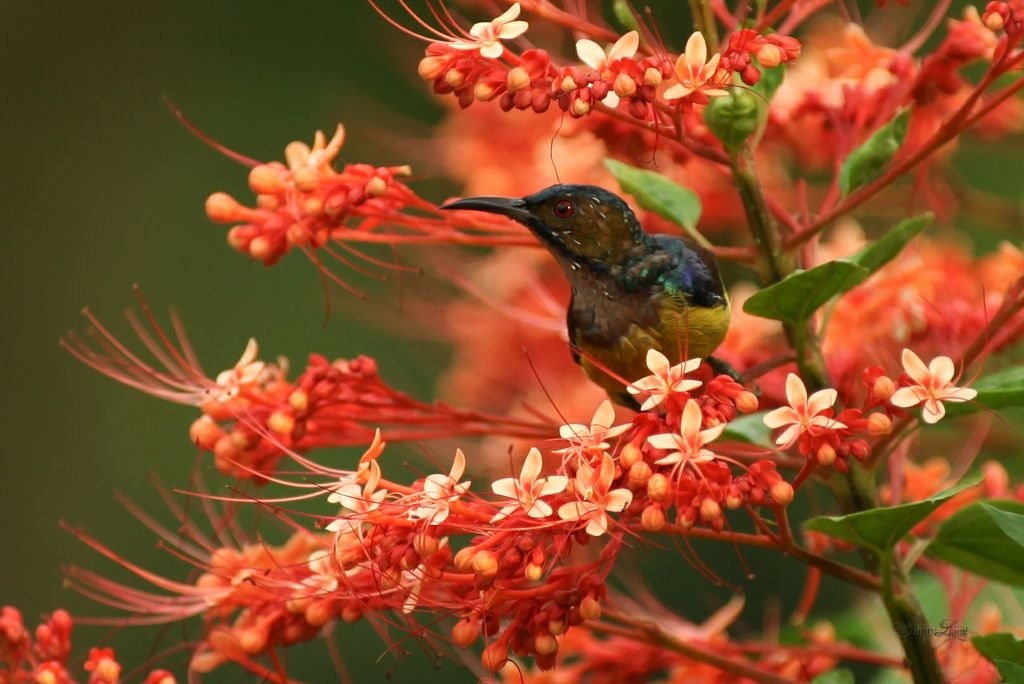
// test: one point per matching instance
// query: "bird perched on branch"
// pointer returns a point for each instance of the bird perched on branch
(631, 291)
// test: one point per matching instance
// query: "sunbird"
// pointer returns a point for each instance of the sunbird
(631, 291)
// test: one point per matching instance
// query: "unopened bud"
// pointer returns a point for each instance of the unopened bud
(557, 627)
(430, 68)
(239, 237)
(652, 76)
(883, 388)
(464, 558)
(260, 248)
(318, 613)
(265, 179)
(425, 545)
(590, 608)
(222, 208)
(653, 518)
(351, 612)
(733, 501)
(822, 633)
(533, 572)
(826, 455)
(204, 432)
(298, 400)
(484, 91)
(306, 179)
(629, 455)
(879, 424)
(639, 474)
(454, 78)
(376, 186)
(624, 86)
(782, 493)
(993, 21)
(281, 423)
(769, 56)
(657, 488)
(580, 108)
(568, 84)
(746, 402)
(710, 510)
(466, 632)
(485, 563)
(494, 656)
(545, 644)
(517, 79)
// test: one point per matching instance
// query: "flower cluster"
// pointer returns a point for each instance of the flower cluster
(43, 656)
(253, 414)
(515, 540)
(307, 204)
(480, 68)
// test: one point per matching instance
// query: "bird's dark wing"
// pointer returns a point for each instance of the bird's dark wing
(692, 271)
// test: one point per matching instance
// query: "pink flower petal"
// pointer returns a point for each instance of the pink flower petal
(626, 46)
(657, 362)
(513, 29)
(915, 368)
(907, 397)
(821, 400)
(666, 440)
(796, 393)
(784, 415)
(590, 53)
(941, 369)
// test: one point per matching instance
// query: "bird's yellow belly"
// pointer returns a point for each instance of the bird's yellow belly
(695, 333)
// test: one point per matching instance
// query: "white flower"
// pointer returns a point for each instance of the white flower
(802, 412)
(594, 501)
(694, 70)
(934, 385)
(487, 35)
(360, 501)
(590, 439)
(666, 379)
(440, 491)
(595, 57)
(688, 443)
(527, 490)
(247, 370)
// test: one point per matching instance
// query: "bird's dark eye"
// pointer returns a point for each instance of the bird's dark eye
(565, 208)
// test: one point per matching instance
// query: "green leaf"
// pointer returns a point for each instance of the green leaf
(1005, 651)
(797, 296)
(867, 162)
(1012, 524)
(834, 677)
(1001, 389)
(973, 540)
(750, 429)
(883, 250)
(879, 529)
(664, 197)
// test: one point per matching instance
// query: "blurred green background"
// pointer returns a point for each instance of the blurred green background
(105, 189)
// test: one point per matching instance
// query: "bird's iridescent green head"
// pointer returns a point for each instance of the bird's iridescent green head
(580, 224)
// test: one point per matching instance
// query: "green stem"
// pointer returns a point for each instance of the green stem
(704, 21)
(855, 490)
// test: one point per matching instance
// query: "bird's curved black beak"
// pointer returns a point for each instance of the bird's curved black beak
(513, 207)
